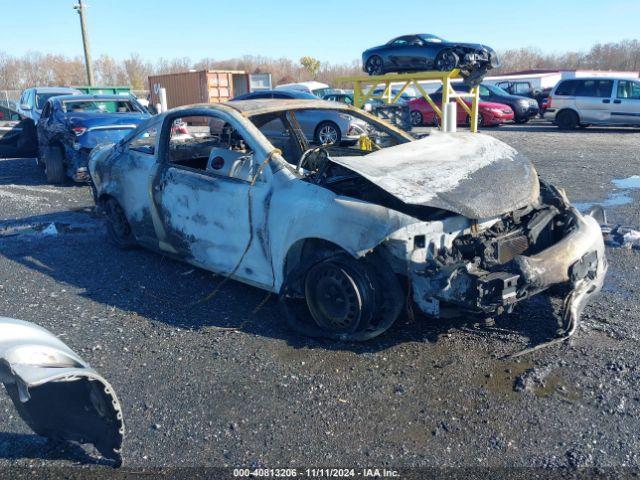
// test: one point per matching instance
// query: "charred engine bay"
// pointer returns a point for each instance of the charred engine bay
(342, 181)
(479, 273)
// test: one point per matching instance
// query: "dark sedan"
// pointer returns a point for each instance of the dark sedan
(524, 108)
(72, 125)
(427, 52)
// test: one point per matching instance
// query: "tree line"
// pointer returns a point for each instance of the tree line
(35, 68)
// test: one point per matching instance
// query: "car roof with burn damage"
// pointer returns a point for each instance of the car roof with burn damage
(250, 108)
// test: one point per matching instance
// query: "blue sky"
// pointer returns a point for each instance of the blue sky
(330, 30)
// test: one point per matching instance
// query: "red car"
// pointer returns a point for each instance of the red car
(490, 114)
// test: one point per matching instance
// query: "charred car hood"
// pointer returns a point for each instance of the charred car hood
(467, 173)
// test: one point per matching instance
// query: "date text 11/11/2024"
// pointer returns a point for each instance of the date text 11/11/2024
(315, 472)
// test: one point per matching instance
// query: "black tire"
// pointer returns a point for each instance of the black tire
(54, 164)
(567, 120)
(521, 120)
(345, 299)
(118, 226)
(327, 133)
(435, 121)
(480, 120)
(447, 60)
(374, 65)
(416, 118)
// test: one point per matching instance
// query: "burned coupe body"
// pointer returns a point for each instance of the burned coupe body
(461, 220)
(56, 392)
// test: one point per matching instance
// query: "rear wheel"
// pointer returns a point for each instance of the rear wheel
(447, 60)
(374, 66)
(345, 299)
(117, 225)
(416, 118)
(567, 120)
(54, 164)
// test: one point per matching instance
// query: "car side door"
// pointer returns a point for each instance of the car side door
(211, 193)
(419, 54)
(593, 100)
(43, 124)
(626, 103)
(399, 52)
(132, 169)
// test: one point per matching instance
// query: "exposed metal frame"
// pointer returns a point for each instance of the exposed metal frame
(361, 93)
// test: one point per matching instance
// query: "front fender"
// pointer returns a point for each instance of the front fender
(302, 211)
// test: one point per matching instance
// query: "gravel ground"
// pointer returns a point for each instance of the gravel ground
(429, 393)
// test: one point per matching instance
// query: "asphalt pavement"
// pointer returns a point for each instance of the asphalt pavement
(225, 382)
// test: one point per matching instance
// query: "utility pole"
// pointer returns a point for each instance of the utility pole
(85, 42)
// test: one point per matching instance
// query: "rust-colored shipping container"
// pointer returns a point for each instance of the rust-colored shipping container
(203, 86)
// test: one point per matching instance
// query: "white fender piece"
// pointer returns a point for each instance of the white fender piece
(56, 392)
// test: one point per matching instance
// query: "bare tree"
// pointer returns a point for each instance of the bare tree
(35, 68)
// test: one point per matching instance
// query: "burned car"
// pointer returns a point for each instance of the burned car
(347, 235)
(56, 392)
(71, 125)
(419, 52)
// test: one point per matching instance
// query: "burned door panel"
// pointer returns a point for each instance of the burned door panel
(206, 219)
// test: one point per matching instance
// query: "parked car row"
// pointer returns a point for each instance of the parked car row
(69, 123)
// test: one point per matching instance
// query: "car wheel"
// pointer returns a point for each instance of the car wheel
(521, 120)
(480, 120)
(54, 164)
(436, 120)
(374, 66)
(327, 133)
(567, 120)
(447, 60)
(347, 299)
(416, 118)
(40, 157)
(118, 226)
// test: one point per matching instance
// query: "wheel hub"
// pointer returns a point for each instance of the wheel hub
(327, 135)
(333, 298)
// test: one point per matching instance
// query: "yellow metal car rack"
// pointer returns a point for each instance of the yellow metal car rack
(361, 93)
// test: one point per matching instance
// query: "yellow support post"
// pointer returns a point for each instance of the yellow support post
(475, 91)
(360, 97)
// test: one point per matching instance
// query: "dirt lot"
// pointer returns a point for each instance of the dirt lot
(427, 393)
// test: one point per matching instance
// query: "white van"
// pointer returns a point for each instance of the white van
(318, 89)
(581, 102)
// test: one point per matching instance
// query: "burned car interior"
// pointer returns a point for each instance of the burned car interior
(211, 145)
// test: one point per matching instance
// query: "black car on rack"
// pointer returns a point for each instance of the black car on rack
(423, 51)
